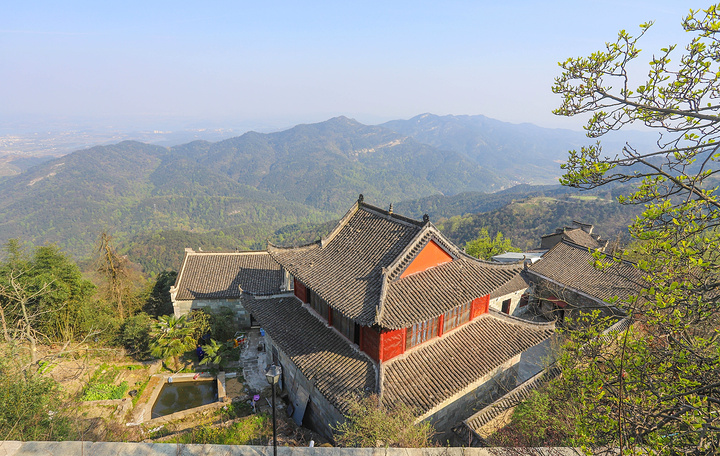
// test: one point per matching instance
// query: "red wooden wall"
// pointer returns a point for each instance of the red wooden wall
(392, 344)
(479, 306)
(300, 291)
(383, 345)
(387, 344)
(370, 342)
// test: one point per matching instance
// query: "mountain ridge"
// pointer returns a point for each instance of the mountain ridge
(310, 172)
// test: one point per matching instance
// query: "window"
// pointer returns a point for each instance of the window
(318, 304)
(343, 324)
(421, 332)
(457, 316)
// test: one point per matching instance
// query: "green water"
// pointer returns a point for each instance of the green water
(175, 397)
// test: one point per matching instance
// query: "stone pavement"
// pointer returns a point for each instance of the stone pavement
(253, 363)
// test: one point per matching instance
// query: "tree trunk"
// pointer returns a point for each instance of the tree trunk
(4, 325)
(29, 332)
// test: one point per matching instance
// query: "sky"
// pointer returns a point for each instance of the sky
(279, 63)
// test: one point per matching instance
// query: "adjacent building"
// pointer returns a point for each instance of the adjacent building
(567, 280)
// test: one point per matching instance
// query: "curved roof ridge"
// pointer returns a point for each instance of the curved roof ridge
(521, 321)
(379, 307)
(393, 215)
(273, 247)
(341, 223)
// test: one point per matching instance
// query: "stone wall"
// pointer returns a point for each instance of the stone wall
(215, 305)
(578, 303)
(464, 404)
(319, 414)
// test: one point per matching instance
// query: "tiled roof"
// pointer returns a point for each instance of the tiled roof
(517, 283)
(357, 270)
(430, 293)
(511, 399)
(437, 370)
(324, 356)
(213, 275)
(572, 266)
(581, 237)
(346, 268)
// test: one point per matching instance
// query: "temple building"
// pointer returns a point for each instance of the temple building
(384, 304)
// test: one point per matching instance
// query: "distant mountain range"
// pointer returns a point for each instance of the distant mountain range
(257, 183)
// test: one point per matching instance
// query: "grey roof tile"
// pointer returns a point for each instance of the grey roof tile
(581, 237)
(326, 358)
(572, 266)
(437, 370)
(517, 283)
(347, 270)
(357, 270)
(222, 275)
(428, 294)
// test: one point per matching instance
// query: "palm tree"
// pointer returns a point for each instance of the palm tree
(214, 352)
(171, 337)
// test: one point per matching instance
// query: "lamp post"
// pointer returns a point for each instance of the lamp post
(273, 377)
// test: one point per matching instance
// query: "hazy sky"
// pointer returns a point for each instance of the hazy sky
(305, 61)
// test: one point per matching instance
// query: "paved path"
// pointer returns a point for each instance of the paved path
(253, 362)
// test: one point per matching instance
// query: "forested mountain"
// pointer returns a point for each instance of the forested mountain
(309, 173)
(326, 165)
(524, 153)
(444, 206)
(127, 189)
(237, 193)
(525, 221)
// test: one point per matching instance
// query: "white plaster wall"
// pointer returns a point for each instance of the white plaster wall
(514, 297)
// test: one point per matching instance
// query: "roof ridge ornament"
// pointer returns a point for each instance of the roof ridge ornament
(361, 198)
(390, 210)
(426, 218)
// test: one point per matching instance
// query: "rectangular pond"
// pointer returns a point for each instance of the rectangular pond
(184, 395)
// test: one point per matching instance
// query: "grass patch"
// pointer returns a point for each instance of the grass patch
(235, 410)
(251, 430)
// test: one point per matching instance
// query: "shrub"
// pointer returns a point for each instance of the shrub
(222, 324)
(102, 385)
(135, 335)
(104, 391)
(30, 407)
(545, 418)
(368, 424)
